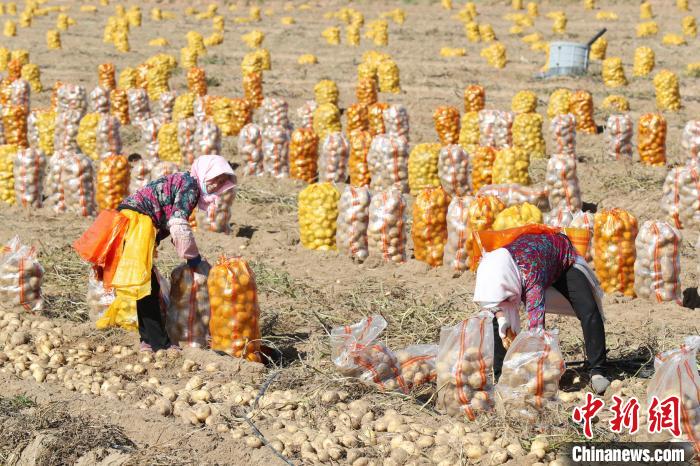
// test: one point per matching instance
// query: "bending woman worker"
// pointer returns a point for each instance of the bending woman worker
(128, 238)
(522, 271)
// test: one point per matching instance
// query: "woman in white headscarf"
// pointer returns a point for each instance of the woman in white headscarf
(528, 270)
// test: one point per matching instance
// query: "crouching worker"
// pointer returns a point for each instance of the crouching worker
(540, 269)
(121, 244)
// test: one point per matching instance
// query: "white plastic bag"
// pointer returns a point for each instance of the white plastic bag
(657, 266)
(453, 170)
(562, 183)
(187, 321)
(386, 232)
(388, 163)
(680, 197)
(618, 135)
(275, 146)
(21, 276)
(417, 364)
(496, 128)
(396, 122)
(563, 131)
(333, 159)
(456, 256)
(29, 168)
(352, 222)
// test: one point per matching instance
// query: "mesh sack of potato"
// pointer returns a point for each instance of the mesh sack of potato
(139, 175)
(29, 167)
(108, 140)
(615, 231)
(469, 131)
(77, 174)
(673, 39)
(668, 96)
(352, 222)
(234, 324)
(689, 26)
(598, 49)
(657, 265)
(417, 364)
(139, 110)
(166, 107)
(305, 114)
(14, 121)
(87, 134)
(563, 131)
(558, 103)
(127, 79)
(423, 167)
(676, 375)
(644, 60)
(163, 168)
(527, 134)
(241, 115)
(446, 120)
(562, 183)
(486, 33)
(119, 105)
(21, 276)
(464, 362)
(456, 256)
(250, 148)
(357, 118)
(512, 194)
(682, 5)
(690, 140)
(149, 137)
(524, 102)
(517, 216)
(253, 88)
(495, 128)
(396, 121)
(333, 158)
(495, 55)
(388, 77)
(106, 76)
(613, 73)
(40, 130)
(558, 217)
(303, 155)
(183, 106)
(220, 111)
(376, 118)
(616, 103)
(647, 29)
(482, 213)
(275, 112)
(197, 81)
(275, 145)
(531, 371)
(651, 139)
(429, 229)
(318, 211)
(20, 91)
(207, 138)
(388, 163)
(53, 39)
(66, 131)
(217, 218)
(482, 166)
(326, 119)
(618, 136)
(326, 92)
(584, 221)
(471, 30)
(99, 100)
(31, 74)
(681, 196)
(581, 106)
(186, 129)
(386, 232)
(452, 170)
(366, 91)
(7, 189)
(188, 317)
(251, 63)
(358, 168)
(474, 98)
(511, 165)
(112, 181)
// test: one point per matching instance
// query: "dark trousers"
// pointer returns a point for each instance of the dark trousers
(576, 288)
(151, 324)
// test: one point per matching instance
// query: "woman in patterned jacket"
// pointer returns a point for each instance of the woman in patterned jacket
(522, 271)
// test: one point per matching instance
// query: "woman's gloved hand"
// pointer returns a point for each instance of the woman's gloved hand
(503, 323)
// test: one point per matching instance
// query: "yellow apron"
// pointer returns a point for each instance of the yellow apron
(132, 279)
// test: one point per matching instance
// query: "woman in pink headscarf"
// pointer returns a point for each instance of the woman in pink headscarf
(166, 205)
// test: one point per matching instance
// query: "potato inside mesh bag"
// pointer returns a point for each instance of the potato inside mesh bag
(187, 320)
(531, 371)
(495, 128)
(29, 168)
(657, 266)
(98, 299)
(558, 217)
(417, 364)
(386, 231)
(21, 276)
(680, 197)
(396, 121)
(388, 163)
(275, 145)
(380, 366)
(563, 131)
(453, 170)
(690, 140)
(464, 363)
(218, 214)
(207, 138)
(140, 175)
(456, 256)
(250, 148)
(333, 160)
(512, 194)
(562, 182)
(347, 340)
(185, 138)
(618, 136)
(352, 222)
(676, 374)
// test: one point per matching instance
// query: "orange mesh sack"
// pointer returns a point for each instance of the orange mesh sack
(618, 136)
(189, 311)
(417, 364)
(360, 142)
(562, 183)
(357, 118)
(681, 196)
(651, 139)
(112, 181)
(581, 105)
(482, 213)
(563, 131)
(446, 121)
(474, 98)
(303, 155)
(676, 374)
(531, 371)
(396, 121)
(464, 363)
(250, 148)
(333, 158)
(482, 167)
(386, 232)
(580, 239)
(376, 118)
(429, 230)
(457, 248)
(615, 231)
(235, 314)
(21, 276)
(657, 266)
(453, 170)
(388, 163)
(584, 220)
(352, 222)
